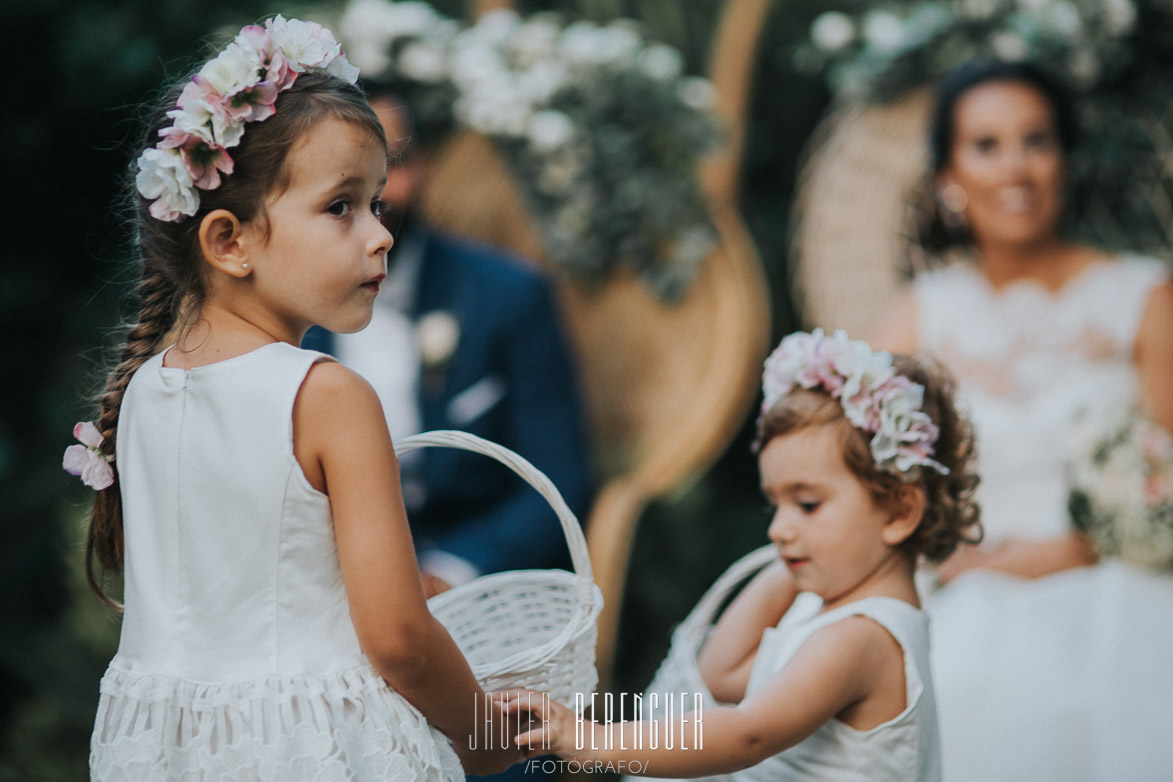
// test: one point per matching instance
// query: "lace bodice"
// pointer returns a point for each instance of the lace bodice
(1030, 362)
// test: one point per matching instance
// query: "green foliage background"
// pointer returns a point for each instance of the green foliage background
(78, 73)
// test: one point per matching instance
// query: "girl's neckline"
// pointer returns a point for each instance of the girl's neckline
(824, 611)
(213, 364)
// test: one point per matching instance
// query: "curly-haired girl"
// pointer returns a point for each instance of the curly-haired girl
(866, 463)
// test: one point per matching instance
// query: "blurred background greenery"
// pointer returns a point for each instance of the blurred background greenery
(69, 135)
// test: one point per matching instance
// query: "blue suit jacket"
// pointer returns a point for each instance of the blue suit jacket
(512, 344)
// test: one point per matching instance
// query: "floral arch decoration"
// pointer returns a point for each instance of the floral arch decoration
(601, 127)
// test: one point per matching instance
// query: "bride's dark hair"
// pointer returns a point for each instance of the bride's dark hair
(934, 233)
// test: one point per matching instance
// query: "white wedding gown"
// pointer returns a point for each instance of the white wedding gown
(1067, 677)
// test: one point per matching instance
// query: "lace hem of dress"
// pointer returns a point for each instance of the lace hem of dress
(348, 725)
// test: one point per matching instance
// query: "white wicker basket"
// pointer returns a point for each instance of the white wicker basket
(524, 628)
(678, 673)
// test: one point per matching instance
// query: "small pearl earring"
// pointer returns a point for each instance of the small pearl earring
(244, 266)
(954, 198)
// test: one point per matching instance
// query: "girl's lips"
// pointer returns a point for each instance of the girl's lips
(795, 562)
(373, 285)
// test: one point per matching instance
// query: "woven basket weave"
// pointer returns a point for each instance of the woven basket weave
(524, 628)
(678, 673)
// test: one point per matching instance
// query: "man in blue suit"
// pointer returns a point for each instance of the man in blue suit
(466, 337)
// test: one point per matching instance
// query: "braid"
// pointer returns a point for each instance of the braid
(104, 542)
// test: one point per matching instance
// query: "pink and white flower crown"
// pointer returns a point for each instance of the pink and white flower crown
(238, 86)
(875, 398)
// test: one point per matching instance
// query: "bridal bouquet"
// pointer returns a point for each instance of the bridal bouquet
(1121, 497)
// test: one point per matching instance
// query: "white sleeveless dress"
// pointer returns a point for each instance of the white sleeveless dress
(1066, 677)
(238, 659)
(903, 749)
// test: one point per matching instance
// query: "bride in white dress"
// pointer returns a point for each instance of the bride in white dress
(1049, 664)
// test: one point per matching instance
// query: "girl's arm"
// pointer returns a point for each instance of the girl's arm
(727, 656)
(1154, 355)
(835, 670)
(342, 443)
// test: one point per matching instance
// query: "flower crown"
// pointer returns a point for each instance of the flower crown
(240, 85)
(875, 398)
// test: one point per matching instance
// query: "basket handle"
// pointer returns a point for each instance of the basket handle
(452, 438)
(704, 612)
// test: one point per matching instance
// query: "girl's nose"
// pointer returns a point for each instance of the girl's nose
(381, 241)
(781, 530)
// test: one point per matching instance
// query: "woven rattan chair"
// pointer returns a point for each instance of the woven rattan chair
(667, 385)
(850, 250)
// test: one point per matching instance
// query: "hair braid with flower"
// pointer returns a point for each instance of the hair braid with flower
(156, 317)
(172, 284)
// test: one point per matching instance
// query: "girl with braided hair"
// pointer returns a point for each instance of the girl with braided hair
(275, 625)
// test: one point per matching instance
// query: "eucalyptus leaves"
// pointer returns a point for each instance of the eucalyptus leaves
(600, 125)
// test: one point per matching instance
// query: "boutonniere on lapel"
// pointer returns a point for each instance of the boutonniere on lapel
(437, 334)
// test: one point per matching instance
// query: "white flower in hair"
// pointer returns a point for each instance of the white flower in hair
(234, 69)
(302, 43)
(163, 177)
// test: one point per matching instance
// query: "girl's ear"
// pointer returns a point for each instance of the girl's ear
(908, 506)
(221, 235)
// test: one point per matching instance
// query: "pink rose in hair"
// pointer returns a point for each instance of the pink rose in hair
(203, 161)
(279, 73)
(87, 459)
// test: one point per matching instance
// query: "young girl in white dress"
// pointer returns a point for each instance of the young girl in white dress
(275, 626)
(866, 463)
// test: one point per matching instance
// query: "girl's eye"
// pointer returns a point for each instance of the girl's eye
(985, 145)
(809, 506)
(1039, 140)
(379, 207)
(340, 208)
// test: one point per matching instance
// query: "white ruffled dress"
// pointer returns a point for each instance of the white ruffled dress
(238, 659)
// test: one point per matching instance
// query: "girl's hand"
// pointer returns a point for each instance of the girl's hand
(434, 585)
(554, 728)
(494, 757)
(727, 656)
